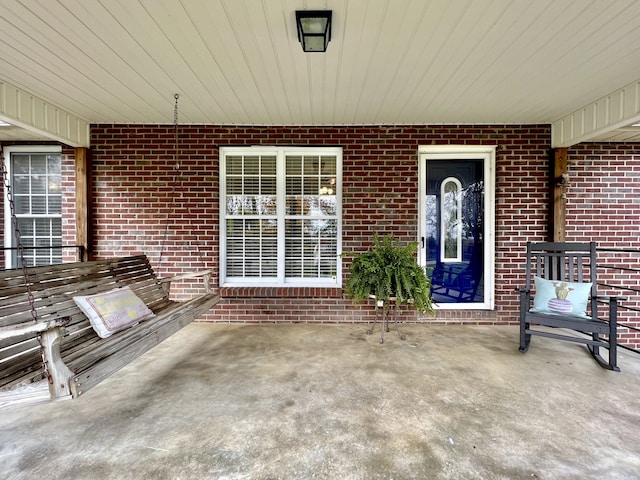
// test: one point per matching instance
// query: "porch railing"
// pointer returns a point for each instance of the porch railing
(619, 274)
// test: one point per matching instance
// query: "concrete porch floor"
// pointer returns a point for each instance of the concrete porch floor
(330, 402)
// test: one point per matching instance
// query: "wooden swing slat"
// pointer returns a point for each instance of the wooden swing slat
(29, 328)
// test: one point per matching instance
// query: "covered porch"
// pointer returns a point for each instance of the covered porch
(552, 86)
(329, 401)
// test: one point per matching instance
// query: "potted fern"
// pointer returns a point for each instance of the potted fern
(389, 271)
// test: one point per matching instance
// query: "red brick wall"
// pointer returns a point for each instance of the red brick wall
(603, 204)
(143, 204)
(603, 197)
(69, 204)
(135, 192)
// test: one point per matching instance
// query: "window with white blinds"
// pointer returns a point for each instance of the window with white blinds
(280, 216)
(35, 177)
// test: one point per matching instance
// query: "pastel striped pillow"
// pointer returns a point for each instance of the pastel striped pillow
(114, 310)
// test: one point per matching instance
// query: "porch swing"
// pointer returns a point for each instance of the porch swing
(64, 328)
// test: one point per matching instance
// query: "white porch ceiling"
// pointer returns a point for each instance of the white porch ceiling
(389, 62)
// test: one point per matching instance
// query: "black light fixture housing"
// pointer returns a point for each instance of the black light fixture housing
(314, 29)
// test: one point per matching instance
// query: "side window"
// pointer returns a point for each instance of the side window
(451, 224)
(35, 178)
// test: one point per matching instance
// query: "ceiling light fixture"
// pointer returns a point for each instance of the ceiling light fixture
(314, 29)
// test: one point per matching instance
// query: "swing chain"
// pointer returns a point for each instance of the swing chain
(16, 229)
(177, 179)
(23, 262)
(176, 176)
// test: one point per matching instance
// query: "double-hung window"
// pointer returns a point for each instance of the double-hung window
(35, 178)
(280, 216)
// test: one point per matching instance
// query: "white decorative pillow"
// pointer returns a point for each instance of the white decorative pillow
(114, 310)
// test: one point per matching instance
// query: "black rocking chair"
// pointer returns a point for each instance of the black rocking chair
(561, 268)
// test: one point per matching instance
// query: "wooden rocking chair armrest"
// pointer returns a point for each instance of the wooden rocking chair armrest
(522, 290)
(25, 328)
(609, 298)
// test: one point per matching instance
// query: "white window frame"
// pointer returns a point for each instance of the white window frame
(457, 152)
(8, 150)
(281, 153)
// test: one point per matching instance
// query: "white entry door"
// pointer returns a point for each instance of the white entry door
(457, 227)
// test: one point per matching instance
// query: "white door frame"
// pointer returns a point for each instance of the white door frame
(461, 152)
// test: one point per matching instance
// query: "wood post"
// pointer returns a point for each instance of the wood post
(83, 204)
(558, 183)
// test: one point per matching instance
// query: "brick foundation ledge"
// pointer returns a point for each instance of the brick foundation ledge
(280, 292)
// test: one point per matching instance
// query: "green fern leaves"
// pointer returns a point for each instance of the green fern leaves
(389, 270)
